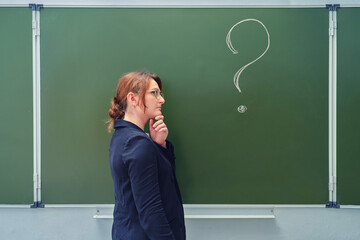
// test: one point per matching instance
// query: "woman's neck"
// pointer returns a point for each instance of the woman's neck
(135, 120)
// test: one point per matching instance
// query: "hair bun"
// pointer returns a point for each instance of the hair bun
(115, 112)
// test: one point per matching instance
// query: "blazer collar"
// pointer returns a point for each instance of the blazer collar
(123, 123)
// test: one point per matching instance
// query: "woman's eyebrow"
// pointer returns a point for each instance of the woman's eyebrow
(155, 89)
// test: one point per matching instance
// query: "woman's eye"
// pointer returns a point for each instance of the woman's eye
(154, 93)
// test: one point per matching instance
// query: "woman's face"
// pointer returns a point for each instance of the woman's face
(153, 100)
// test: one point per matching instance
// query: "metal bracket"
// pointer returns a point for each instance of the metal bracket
(332, 7)
(332, 205)
(332, 24)
(37, 205)
(36, 7)
(33, 6)
(336, 6)
(35, 23)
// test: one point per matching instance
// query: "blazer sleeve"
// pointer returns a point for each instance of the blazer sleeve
(168, 152)
(140, 157)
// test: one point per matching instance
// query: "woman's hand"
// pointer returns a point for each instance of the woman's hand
(158, 130)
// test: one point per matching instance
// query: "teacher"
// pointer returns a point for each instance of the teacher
(148, 203)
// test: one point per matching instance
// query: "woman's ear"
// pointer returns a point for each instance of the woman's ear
(132, 99)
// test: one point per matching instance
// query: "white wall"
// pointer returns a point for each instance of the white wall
(305, 223)
(187, 2)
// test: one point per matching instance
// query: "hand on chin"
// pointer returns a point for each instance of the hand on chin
(158, 130)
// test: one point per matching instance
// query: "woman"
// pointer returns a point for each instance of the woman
(148, 203)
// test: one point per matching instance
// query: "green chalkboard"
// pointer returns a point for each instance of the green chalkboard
(275, 152)
(16, 106)
(348, 103)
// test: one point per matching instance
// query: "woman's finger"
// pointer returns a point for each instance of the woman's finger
(159, 117)
(160, 127)
(158, 123)
(163, 129)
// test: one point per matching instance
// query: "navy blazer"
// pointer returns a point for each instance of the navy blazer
(148, 203)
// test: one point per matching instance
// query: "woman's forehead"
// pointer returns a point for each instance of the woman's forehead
(153, 84)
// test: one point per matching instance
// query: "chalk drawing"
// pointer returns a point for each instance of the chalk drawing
(242, 108)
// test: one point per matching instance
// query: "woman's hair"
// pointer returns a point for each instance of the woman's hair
(136, 82)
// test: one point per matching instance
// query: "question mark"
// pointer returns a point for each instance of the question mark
(242, 108)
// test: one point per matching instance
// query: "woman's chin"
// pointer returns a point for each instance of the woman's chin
(158, 112)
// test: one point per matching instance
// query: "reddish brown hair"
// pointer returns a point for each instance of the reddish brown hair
(136, 82)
